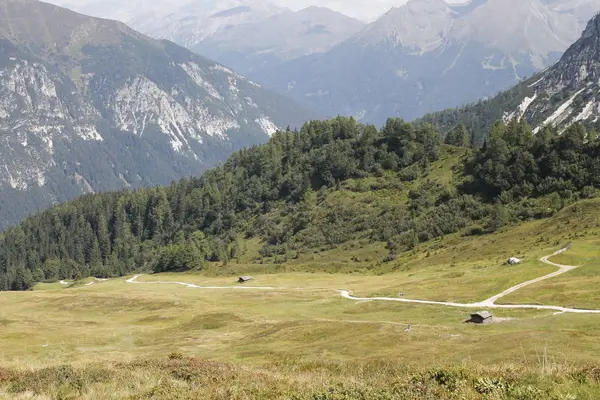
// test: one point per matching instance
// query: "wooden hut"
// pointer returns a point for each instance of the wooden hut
(244, 279)
(482, 317)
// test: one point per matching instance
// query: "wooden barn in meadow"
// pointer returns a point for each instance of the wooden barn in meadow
(481, 317)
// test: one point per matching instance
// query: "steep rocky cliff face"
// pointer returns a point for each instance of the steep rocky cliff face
(580, 63)
(87, 104)
(567, 92)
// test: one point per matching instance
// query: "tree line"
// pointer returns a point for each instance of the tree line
(283, 193)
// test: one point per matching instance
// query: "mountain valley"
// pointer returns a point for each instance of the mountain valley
(420, 57)
(171, 229)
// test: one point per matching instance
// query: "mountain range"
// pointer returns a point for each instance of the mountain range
(423, 56)
(429, 55)
(253, 47)
(88, 104)
(561, 95)
(567, 92)
(247, 35)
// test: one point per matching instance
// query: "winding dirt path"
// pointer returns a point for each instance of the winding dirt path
(489, 303)
(193, 286)
(562, 269)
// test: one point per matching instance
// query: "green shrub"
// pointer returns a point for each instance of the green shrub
(489, 386)
(176, 355)
(589, 192)
(446, 378)
(474, 230)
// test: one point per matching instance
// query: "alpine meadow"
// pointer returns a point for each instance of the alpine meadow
(455, 256)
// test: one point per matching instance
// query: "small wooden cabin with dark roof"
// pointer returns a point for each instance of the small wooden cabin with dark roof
(244, 279)
(482, 317)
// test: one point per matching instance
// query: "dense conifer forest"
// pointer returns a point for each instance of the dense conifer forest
(280, 193)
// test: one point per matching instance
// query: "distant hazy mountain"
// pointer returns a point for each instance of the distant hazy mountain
(120, 10)
(288, 35)
(189, 24)
(429, 55)
(186, 22)
(88, 104)
(247, 35)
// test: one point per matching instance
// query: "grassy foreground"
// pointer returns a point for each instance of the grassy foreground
(301, 340)
(179, 377)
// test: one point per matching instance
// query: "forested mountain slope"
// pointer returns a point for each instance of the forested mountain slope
(90, 105)
(331, 183)
(564, 94)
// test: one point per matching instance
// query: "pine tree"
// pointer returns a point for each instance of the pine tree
(103, 238)
(23, 279)
(95, 255)
(458, 136)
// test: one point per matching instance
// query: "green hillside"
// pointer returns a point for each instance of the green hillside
(332, 184)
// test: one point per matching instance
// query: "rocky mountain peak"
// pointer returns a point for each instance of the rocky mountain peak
(592, 29)
(510, 26)
(563, 94)
(288, 35)
(519, 28)
(581, 62)
(193, 22)
(419, 25)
